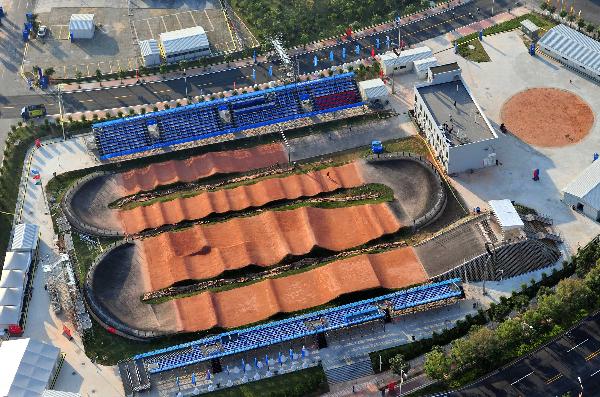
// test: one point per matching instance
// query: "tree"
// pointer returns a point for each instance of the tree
(183, 64)
(78, 74)
(398, 365)
(580, 23)
(162, 69)
(590, 27)
(49, 72)
(437, 364)
(121, 74)
(563, 13)
(98, 74)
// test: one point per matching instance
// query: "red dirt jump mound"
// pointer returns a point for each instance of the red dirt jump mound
(193, 168)
(237, 307)
(205, 251)
(240, 198)
(547, 117)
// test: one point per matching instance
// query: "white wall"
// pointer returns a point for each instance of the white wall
(470, 156)
(569, 63)
(588, 210)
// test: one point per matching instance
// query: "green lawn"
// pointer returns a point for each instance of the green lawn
(305, 383)
(477, 54)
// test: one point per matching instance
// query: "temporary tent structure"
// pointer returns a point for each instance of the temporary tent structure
(190, 43)
(81, 26)
(583, 193)
(150, 52)
(372, 89)
(507, 216)
(9, 315)
(11, 297)
(422, 66)
(404, 60)
(13, 279)
(25, 237)
(17, 261)
(27, 367)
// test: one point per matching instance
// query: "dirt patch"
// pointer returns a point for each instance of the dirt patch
(193, 168)
(240, 198)
(205, 251)
(547, 117)
(393, 269)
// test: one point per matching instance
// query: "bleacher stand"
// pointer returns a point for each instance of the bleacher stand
(141, 133)
(261, 336)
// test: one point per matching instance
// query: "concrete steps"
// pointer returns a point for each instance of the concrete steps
(347, 372)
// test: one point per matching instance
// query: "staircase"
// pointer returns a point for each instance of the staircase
(540, 218)
(343, 372)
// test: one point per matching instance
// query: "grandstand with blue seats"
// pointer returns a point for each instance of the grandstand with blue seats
(273, 333)
(229, 115)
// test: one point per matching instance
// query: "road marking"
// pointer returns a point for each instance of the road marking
(520, 379)
(554, 378)
(577, 345)
(595, 373)
(592, 355)
(193, 19)
(178, 21)
(8, 107)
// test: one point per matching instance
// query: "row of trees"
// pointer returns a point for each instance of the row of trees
(304, 21)
(571, 17)
(484, 349)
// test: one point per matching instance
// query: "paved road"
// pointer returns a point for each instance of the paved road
(552, 371)
(412, 33)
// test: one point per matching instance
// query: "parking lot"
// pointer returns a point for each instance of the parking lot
(150, 23)
(111, 49)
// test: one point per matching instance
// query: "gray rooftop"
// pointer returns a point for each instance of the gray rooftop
(451, 104)
(448, 67)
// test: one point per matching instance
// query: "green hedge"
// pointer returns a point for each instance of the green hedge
(541, 21)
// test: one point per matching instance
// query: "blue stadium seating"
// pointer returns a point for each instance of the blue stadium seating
(308, 324)
(199, 121)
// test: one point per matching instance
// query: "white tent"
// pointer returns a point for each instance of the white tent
(583, 192)
(11, 297)
(422, 66)
(12, 279)
(390, 62)
(189, 43)
(17, 261)
(81, 26)
(25, 237)
(9, 315)
(150, 52)
(507, 215)
(372, 89)
(27, 367)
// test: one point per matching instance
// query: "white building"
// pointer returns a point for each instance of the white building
(25, 238)
(573, 49)
(189, 44)
(28, 367)
(81, 26)
(404, 60)
(150, 52)
(583, 193)
(508, 218)
(457, 130)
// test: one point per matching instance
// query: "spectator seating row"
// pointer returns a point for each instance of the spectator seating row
(203, 120)
(297, 327)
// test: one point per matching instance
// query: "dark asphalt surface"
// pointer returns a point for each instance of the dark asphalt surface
(552, 371)
(412, 33)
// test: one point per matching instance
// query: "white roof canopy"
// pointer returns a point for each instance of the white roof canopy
(587, 185)
(27, 366)
(25, 237)
(17, 261)
(507, 215)
(8, 315)
(12, 279)
(11, 297)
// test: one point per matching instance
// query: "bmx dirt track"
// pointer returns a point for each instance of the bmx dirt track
(393, 269)
(241, 160)
(242, 197)
(205, 251)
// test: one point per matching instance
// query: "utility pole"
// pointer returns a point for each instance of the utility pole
(185, 82)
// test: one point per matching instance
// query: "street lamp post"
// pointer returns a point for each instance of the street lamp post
(185, 82)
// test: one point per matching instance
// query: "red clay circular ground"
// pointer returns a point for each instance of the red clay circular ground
(547, 117)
